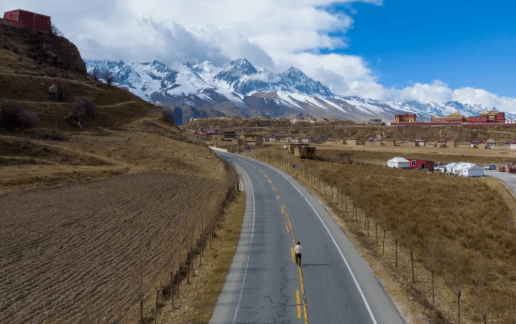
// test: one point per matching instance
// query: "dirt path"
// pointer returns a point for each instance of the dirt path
(70, 252)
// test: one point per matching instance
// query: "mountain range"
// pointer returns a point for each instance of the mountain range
(242, 89)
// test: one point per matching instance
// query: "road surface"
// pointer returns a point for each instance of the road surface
(264, 285)
(508, 178)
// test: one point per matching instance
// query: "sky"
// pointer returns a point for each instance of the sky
(381, 49)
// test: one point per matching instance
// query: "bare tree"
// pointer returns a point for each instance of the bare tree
(432, 259)
(410, 238)
(383, 219)
(453, 274)
(397, 235)
(480, 271)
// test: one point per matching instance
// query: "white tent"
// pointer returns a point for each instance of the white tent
(398, 163)
(465, 169)
(469, 170)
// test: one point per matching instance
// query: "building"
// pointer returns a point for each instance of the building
(26, 19)
(307, 139)
(405, 118)
(374, 141)
(510, 145)
(445, 142)
(352, 142)
(416, 164)
(454, 118)
(489, 117)
(398, 163)
(477, 143)
(420, 142)
(229, 136)
(305, 151)
(216, 134)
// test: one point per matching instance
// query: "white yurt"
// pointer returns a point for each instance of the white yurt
(450, 167)
(469, 170)
(398, 163)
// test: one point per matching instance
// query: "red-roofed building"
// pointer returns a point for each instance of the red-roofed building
(26, 19)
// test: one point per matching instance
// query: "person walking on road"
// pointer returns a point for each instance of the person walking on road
(298, 250)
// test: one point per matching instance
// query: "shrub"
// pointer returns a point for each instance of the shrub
(14, 116)
(59, 89)
(88, 105)
(168, 115)
(83, 109)
(77, 116)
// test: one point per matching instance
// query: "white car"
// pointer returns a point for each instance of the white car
(490, 167)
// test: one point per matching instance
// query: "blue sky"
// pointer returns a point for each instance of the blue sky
(462, 43)
(429, 51)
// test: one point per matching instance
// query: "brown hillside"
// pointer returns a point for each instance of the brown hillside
(86, 209)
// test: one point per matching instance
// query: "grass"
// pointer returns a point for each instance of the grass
(200, 298)
(472, 217)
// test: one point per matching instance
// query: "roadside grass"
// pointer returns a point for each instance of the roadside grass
(471, 218)
(197, 301)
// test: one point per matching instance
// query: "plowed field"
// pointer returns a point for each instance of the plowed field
(69, 252)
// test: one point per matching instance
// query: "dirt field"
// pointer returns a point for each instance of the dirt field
(69, 251)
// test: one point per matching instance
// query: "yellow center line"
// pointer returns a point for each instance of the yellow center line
(289, 226)
(304, 296)
(298, 304)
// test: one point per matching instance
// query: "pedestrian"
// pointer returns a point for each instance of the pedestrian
(298, 250)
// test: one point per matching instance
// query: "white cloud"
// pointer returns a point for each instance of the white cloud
(275, 34)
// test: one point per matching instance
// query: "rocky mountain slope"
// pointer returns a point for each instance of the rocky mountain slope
(243, 89)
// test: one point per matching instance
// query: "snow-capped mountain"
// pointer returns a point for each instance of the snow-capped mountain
(239, 88)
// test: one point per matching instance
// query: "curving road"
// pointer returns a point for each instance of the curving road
(264, 285)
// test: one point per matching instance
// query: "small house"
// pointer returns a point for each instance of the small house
(374, 141)
(490, 143)
(398, 163)
(352, 142)
(306, 139)
(304, 151)
(420, 142)
(510, 145)
(477, 143)
(416, 164)
(229, 136)
(26, 19)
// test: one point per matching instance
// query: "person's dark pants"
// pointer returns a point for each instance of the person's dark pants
(298, 259)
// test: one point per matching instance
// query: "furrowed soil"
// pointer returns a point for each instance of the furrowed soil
(66, 251)
(94, 217)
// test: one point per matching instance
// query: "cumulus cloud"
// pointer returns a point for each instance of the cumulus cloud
(275, 34)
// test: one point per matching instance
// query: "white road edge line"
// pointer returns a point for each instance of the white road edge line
(333, 239)
(249, 254)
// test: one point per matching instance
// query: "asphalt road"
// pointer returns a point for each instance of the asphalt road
(508, 178)
(264, 285)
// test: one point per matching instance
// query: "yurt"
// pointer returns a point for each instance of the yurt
(469, 170)
(398, 163)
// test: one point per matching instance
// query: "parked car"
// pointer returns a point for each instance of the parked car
(490, 167)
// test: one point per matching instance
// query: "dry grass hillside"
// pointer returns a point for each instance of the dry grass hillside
(93, 216)
(348, 129)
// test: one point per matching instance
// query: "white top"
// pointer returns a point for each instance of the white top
(298, 249)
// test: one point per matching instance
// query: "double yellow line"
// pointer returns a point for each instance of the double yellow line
(288, 225)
